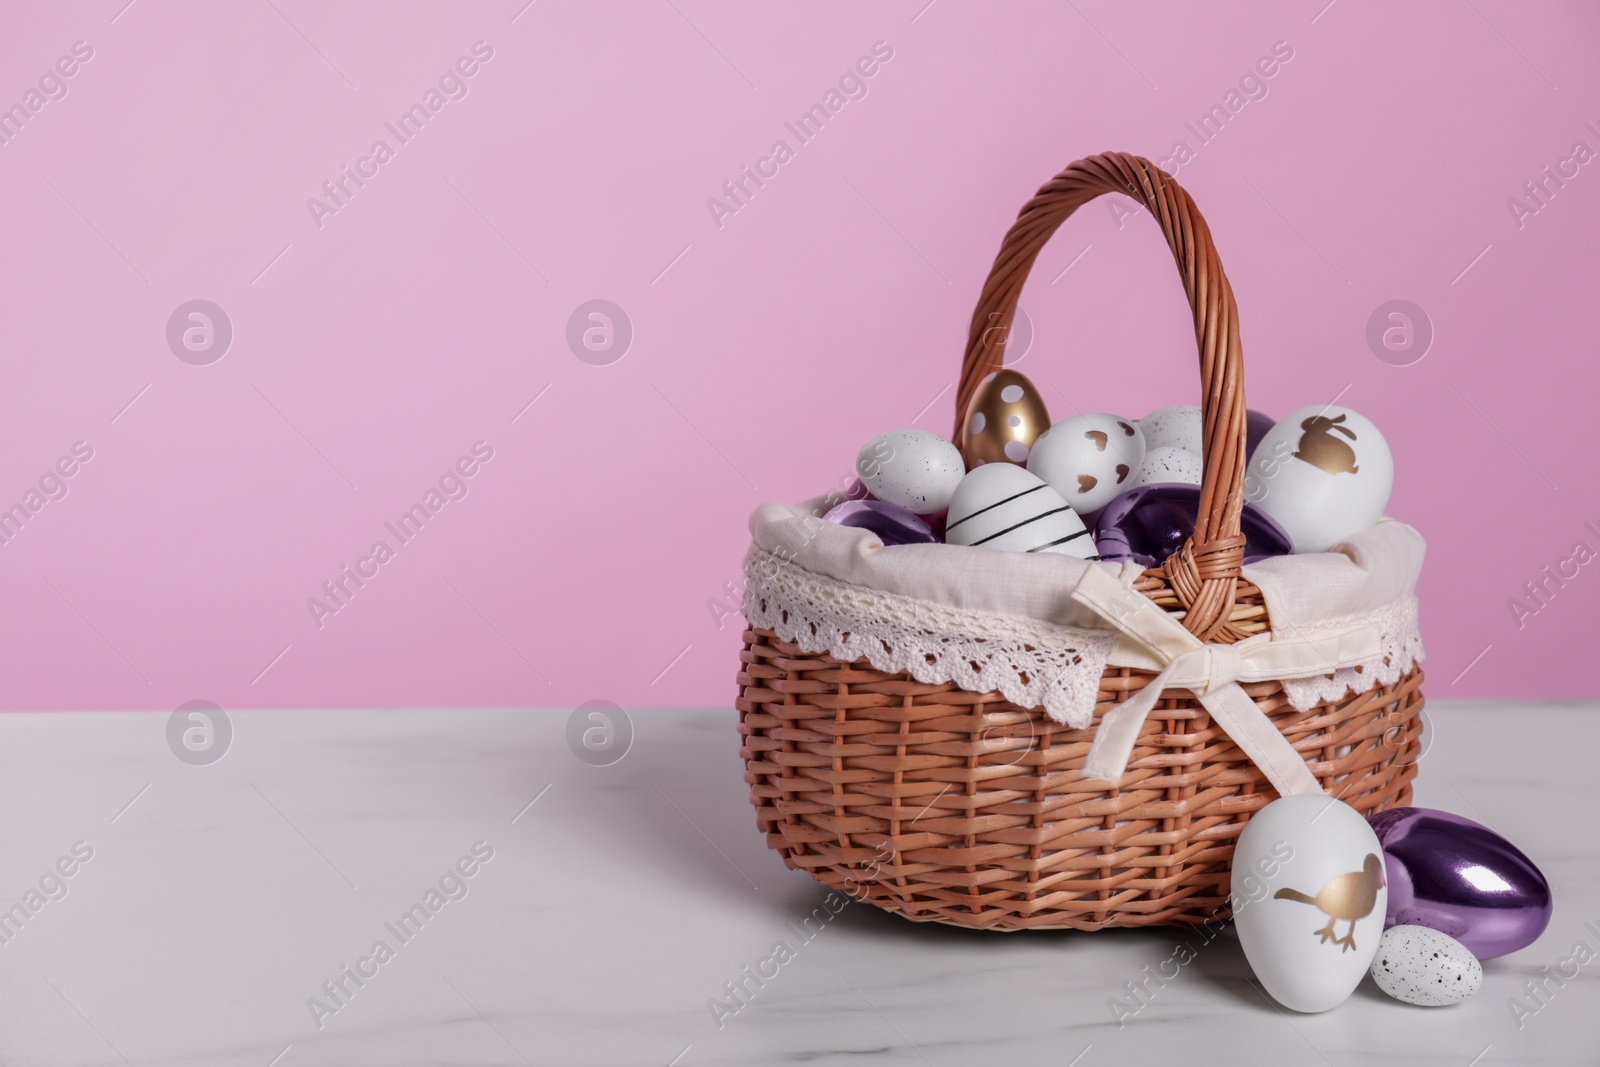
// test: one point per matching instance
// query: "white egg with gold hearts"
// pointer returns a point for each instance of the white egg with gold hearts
(1002, 505)
(1089, 459)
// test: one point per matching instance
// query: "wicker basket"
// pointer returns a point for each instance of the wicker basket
(960, 807)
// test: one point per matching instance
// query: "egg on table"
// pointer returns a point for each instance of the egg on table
(1003, 420)
(1422, 966)
(1089, 459)
(912, 469)
(1324, 473)
(1461, 878)
(1002, 505)
(1310, 923)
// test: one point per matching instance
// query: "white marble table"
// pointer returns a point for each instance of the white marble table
(218, 900)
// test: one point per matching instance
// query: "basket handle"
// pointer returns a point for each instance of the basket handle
(1204, 572)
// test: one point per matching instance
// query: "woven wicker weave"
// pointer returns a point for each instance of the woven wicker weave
(959, 807)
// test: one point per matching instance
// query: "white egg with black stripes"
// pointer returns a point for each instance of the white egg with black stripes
(1002, 505)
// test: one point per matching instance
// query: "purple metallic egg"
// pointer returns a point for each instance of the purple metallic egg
(1149, 523)
(1256, 426)
(893, 524)
(1459, 878)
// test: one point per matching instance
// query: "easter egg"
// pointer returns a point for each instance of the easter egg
(912, 469)
(1461, 878)
(1178, 426)
(1001, 505)
(1089, 459)
(1423, 966)
(893, 524)
(1004, 418)
(1151, 522)
(1308, 897)
(1324, 472)
(1168, 465)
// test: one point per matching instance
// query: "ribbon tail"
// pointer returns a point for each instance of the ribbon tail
(1119, 729)
(1243, 721)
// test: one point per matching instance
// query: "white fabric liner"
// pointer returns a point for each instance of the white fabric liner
(1007, 621)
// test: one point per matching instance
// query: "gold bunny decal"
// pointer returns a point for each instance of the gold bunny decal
(1320, 448)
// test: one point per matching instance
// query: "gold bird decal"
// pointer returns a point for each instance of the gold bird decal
(1348, 896)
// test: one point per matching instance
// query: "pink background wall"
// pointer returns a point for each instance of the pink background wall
(372, 351)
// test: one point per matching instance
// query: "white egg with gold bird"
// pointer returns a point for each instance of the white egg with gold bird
(1309, 897)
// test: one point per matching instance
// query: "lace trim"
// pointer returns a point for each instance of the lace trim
(1400, 652)
(1033, 664)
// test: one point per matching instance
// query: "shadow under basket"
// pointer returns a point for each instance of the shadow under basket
(957, 807)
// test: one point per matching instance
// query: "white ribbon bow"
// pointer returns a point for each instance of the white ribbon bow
(1154, 640)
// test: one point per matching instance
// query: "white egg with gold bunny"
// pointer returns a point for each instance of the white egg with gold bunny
(1323, 473)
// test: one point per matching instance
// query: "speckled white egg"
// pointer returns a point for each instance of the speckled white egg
(1423, 966)
(1001, 505)
(1309, 896)
(1089, 459)
(1324, 473)
(1178, 426)
(1168, 464)
(913, 469)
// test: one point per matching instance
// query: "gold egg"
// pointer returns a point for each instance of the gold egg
(1004, 419)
